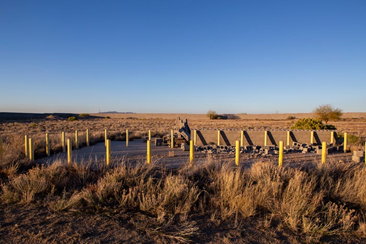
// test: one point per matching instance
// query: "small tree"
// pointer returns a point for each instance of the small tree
(327, 112)
(212, 114)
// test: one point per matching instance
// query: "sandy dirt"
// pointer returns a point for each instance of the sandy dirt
(37, 223)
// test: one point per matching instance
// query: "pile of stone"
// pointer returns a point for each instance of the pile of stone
(358, 156)
(309, 148)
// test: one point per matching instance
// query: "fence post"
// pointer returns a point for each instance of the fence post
(48, 150)
(126, 138)
(172, 138)
(345, 143)
(218, 137)
(237, 153)
(148, 153)
(26, 145)
(332, 137)
(108, 152)
(31, 150)
(312, 137)
(191, 152)
(105, 137)
(241, 138)
(69, 151)
(87, 137)
(195, 137)
(63, 142)
(265, 137)
(280, 156)
(324, 152)
(149, 135)
(288, 138)
(76, 140)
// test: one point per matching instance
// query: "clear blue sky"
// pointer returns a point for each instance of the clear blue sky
(182, 56)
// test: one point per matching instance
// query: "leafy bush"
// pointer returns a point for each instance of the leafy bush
(212, 114)
(107, 117)
(290, 117)
(311, 124)
(72, 118)
(84, 115)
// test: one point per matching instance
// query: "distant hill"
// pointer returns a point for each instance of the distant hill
(115, 112)
(25, 116)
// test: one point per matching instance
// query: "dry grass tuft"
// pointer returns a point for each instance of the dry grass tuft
(313, 201)
(26, 187)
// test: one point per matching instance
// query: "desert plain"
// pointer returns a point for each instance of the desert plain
(211, 201)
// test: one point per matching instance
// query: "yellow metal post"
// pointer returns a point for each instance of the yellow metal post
(324, 152)
(280, 156)
(288, 138)
(218, 137)
(332, 137)
(76, 140)
(172, 138)
(48, 151)
(63, 142)
(148, 154)
(237, 151)
(149, 135)
(345, 143)
(126, 138)
(69, 151)
(87, 137)
(31, 150)
(241, 138)
(191, 152)
(265, 138)
(195, 137)
(1, 148)
(105, 137)
(26, 145)
(108, 152)
(312, 137)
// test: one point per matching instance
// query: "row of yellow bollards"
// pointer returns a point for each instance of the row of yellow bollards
(266, 138)
(29, 147)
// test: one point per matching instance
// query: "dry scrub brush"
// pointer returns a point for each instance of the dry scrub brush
(313, 201)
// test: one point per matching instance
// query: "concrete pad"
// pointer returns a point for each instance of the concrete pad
(136, 149)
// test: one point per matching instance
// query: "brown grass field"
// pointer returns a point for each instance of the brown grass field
(210, 202)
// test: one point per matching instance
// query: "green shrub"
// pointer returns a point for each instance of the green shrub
(291, 117)
(311, 124)
(72, 118)
(84, 115)
(107, 117)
